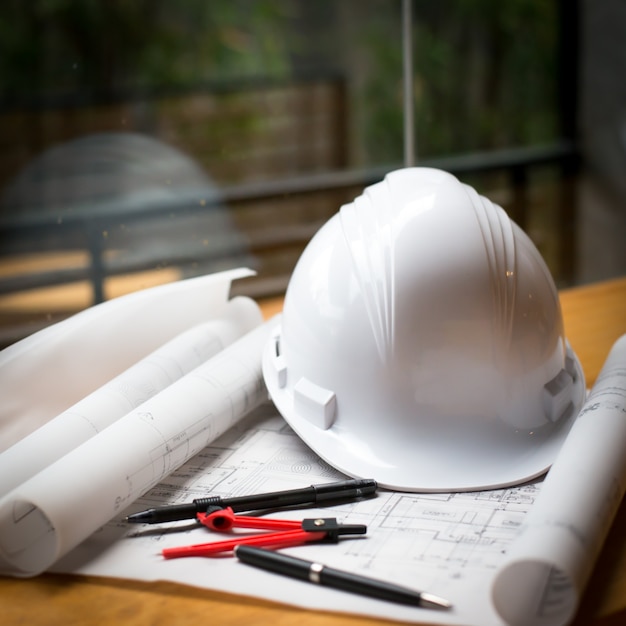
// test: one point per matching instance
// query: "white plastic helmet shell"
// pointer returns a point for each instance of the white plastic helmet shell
(421, 342)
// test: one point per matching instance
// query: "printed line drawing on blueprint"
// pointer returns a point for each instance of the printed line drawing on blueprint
(429, 530)
(443, 535)
(260, 455)
(450, 544)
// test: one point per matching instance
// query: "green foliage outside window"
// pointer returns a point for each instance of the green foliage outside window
(485, 70)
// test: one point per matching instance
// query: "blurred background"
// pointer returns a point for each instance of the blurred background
(144, 141)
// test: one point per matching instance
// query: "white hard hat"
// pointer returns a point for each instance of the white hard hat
(421, 342)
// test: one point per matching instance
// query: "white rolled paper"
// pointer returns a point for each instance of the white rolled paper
(125, 392)
(55, 510)
(46, 373)
(548, 566)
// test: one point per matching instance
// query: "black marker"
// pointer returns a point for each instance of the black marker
(338, 579)
(315, 494)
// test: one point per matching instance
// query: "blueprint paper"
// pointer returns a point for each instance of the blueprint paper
(125, 392)
(46, 373)
(545, 573)
(451, 544)
(62, 505)
(464, 547)
(447, 544)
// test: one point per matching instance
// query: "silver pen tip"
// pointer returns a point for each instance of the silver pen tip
(431, 601)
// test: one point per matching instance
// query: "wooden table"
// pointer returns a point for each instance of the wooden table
(595, 316)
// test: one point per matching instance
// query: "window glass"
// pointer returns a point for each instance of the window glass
(144, 141)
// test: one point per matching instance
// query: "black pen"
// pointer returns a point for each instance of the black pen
(346, 581)
(315, 494)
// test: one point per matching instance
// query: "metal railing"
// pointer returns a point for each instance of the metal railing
(84, 228)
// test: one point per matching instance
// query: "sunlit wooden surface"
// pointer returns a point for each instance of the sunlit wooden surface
(595, 316)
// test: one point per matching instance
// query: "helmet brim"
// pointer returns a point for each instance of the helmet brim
(464, 464)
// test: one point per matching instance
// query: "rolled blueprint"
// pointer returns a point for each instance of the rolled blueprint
(124, 393)
(55, 510)
(548, 566)
(46, 373)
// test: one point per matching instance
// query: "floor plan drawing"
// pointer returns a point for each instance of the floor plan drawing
(450, 544)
